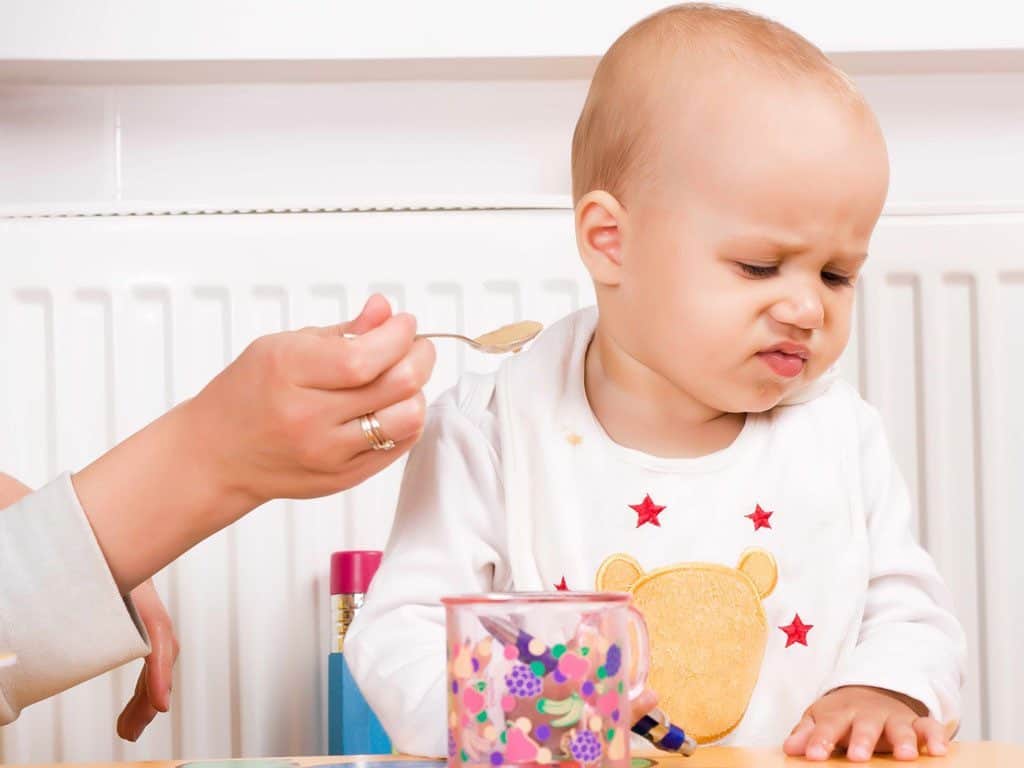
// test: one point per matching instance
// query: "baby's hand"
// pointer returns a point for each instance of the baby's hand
(644, 703)
(865, 720)
(153, 690)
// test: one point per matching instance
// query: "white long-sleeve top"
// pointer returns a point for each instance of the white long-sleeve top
(515, 486)
(60, 610)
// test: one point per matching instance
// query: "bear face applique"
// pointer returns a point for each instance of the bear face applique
(707, 632)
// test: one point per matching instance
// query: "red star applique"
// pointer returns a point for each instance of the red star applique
(760, 518)
(796, 631)
(647, 511)
(562, 586)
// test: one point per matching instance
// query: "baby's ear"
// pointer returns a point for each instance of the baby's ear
(599, 236)
(760, 567)
(618, 573)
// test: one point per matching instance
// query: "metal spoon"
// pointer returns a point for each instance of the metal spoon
(507, 338)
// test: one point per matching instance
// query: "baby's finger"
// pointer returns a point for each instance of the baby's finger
(643, 703)
(931, 733)
(796, 744)
(826, 735)
(902, 738)
(864, 735)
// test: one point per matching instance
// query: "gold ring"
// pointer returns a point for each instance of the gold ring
(372, 431)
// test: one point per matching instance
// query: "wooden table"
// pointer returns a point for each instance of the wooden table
(962, 755)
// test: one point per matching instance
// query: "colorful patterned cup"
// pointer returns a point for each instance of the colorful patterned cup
(543, 678)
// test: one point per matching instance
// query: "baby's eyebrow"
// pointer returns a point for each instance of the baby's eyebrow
(767, 242)
(857, 258)
(786, 246)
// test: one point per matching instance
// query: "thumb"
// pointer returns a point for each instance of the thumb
(643, 703)
(374, 313)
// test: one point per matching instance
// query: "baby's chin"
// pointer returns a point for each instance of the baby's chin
(762, 405)
(761, 397)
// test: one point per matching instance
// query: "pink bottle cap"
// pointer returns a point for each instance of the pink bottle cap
(352, 570)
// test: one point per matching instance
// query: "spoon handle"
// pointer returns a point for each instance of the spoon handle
(426, 336)
(458, 336)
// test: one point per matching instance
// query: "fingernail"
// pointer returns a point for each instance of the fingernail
(859, 752)
(905, 751)
(817, 752)
(937, 748)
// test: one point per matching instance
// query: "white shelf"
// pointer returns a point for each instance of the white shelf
(327, 30)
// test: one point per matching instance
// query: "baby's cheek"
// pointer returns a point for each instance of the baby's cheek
(838, 319)
(824, 359)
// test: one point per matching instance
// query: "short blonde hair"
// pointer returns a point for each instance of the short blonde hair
(609, 141)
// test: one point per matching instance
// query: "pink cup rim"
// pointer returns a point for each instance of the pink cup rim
(504, 598)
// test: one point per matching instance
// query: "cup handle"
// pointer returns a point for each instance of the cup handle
(641, 653)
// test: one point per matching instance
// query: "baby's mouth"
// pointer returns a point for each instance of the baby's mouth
(786, 359)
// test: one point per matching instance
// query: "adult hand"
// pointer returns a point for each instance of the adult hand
(153, 689)
(281, 421)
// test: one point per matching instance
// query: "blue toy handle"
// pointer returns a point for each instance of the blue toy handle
(352, 727)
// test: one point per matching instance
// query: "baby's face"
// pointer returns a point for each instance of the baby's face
(741, 255)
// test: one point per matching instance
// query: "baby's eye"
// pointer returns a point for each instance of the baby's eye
(755, 270)
(834, 279)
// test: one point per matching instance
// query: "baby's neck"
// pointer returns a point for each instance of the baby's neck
(643, 411)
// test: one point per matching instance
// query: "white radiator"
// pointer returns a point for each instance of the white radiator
(107, 322)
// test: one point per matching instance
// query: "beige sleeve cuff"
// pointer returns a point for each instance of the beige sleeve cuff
(60, 610)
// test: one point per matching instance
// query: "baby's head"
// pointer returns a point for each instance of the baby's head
(727, 179)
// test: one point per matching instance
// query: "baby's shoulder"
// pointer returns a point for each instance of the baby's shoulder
(467, 407)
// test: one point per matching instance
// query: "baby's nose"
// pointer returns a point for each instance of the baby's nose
(803, 310)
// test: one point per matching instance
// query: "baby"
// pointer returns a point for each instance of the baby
(726, 179)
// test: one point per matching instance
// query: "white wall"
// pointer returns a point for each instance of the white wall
(182, 30)
(107, 320)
